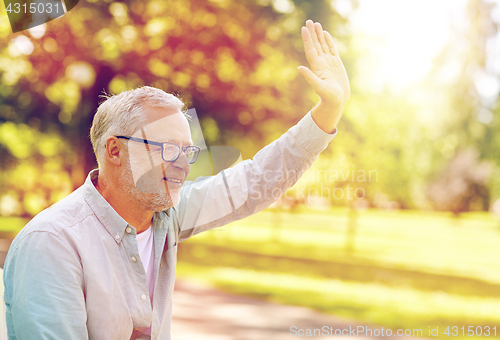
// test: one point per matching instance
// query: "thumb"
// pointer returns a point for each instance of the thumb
(311, 78)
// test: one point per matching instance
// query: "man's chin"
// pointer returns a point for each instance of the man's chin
(171, 202)
(159, 201)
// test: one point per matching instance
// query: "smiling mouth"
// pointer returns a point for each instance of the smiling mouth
(172, 180)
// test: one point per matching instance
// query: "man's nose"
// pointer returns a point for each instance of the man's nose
(182, 162)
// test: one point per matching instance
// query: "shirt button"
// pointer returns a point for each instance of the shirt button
(128, 230)
(117, 236)
(134, 259)
(143, 296)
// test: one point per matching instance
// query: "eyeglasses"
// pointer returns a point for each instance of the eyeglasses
(169, 151)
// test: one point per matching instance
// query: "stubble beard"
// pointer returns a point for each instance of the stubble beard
(160, 200)
(154, 201)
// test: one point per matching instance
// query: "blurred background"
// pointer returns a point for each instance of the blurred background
(396, 224)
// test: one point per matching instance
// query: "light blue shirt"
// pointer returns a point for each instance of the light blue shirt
(74, 271)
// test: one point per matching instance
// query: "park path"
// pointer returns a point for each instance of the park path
(202, 312)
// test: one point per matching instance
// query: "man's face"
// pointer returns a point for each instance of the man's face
(153, 181)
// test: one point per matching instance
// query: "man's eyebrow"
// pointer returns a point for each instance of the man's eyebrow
(171, 140)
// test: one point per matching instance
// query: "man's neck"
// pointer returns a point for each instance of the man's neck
(124, 205)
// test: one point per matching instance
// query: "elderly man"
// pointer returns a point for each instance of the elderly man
(100, 264)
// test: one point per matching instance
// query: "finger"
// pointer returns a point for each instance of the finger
(321, 38)
(314, 36)
(311, 53)
(331, 44)
(311, 78)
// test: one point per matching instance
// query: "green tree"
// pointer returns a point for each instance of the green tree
(465, 82)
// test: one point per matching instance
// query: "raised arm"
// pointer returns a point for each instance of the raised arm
(251, 185)
(254, 184)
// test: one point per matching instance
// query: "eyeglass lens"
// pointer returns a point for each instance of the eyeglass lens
(171, 152)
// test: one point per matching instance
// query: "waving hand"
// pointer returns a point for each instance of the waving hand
(327, 75)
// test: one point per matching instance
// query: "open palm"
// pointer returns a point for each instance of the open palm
(328, 76)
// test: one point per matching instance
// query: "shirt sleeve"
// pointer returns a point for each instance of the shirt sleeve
(44, 292)
(251, 185)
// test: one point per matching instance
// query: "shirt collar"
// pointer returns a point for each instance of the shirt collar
(109, 218)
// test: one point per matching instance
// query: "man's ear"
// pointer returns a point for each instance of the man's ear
(114, 151)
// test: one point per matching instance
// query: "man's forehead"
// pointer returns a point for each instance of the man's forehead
(165, 125)
(154, 113)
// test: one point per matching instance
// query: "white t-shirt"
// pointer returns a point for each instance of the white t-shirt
(145, 243)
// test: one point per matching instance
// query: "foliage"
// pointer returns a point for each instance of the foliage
(463, 81)
(235, 62)
(461, 182)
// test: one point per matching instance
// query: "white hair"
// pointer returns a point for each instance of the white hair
(122, 114)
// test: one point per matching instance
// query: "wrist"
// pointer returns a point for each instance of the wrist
(327, 116)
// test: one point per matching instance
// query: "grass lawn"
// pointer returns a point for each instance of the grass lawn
(429, 242)
(425, 242)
